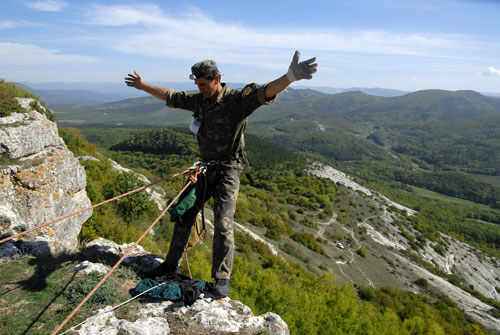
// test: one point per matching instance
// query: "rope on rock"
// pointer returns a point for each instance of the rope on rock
(92, 207)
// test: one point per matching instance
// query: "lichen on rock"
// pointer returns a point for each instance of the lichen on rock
(40, 181)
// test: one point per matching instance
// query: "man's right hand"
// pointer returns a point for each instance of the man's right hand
(135, 80)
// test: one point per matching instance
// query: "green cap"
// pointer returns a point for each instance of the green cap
(204, 69)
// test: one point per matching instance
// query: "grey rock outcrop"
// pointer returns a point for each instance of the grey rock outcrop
(475, 268)
(40, 181)
(138, 259)
(205, 316)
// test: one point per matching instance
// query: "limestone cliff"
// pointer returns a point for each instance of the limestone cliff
(40, 180)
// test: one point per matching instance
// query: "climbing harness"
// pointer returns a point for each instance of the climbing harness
(237, 156)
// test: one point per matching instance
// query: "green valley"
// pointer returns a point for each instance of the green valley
(280, 207)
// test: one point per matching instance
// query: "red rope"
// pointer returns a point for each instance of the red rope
(121, 259)
(91, 207)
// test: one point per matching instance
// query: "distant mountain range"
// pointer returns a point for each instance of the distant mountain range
(361, 107)
(90, 94)
(304, 104)
(54, 97)
(381, 92)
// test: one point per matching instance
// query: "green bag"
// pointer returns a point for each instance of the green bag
(170, 291)
(181, 289)
(183, 203)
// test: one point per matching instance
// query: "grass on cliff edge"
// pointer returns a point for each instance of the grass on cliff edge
(8, 103)
(37, 294)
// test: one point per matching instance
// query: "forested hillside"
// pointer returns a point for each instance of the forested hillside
(284, 200)
(269, 162)
(439, 140)
(364, 108)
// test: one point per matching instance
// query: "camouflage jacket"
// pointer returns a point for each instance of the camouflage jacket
(223, 121)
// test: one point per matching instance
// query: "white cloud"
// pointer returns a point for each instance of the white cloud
(15, 54)
(18, 24)
(491, 72)
(121, 15)
(47, 5)
(7, 24)
(157, 34)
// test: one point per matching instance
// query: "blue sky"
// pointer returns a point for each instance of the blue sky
(407, 45)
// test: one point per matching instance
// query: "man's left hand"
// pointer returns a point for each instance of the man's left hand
(302, 70)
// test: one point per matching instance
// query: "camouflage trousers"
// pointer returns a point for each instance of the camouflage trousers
(222, 183)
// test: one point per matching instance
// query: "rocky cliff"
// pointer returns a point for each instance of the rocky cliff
(40, 180)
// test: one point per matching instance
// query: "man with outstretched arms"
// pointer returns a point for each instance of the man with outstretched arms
(219, 122)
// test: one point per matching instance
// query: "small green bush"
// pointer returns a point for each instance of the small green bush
(422, 282)
(106, 294)
(274, 234)
(133, 207)
(308, 240)
(9, 106)
(361, 251)
(308, 222)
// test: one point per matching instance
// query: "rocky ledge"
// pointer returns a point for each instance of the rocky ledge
(205, 316)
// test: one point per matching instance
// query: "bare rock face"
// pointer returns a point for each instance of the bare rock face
(475, 268)
(40, 181)
(205, 316)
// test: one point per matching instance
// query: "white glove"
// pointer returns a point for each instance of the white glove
(302, 70)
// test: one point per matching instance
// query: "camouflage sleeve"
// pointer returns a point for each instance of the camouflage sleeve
(181, 99)
(254, 96)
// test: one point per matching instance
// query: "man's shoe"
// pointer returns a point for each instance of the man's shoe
(222, 287)
(161, 270)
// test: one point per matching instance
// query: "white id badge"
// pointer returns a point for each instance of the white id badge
(194, 126)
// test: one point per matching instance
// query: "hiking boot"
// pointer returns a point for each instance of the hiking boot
(161, 270)
(222, 287)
